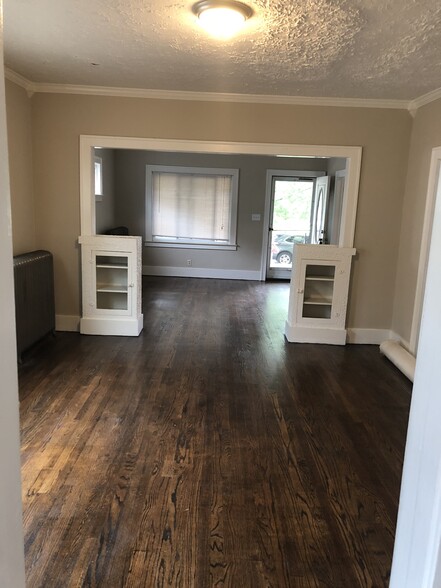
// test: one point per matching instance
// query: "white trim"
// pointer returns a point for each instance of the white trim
(424, 99)
(194, 146)
(87, 188)
(66, 322)
(400, 357)
(369, 336)
(433, 188)
(200, 272)
(328, 335)
(352, 155)
(265, 237)
(21, 81)
(417, 557)
(358, 336)
(124, 326)
(178, 245)
(397, 104)
(350, 200)
(403, 342)
(204, 96)
(12, 568)
(337, 205)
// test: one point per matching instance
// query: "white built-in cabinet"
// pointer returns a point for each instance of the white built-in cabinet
(319, 294)
(111, 285)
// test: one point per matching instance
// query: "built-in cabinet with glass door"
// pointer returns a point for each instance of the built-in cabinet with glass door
(319, 294)
(111, 273)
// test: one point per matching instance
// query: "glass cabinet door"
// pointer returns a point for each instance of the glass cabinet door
(319, 291)
(112, 282)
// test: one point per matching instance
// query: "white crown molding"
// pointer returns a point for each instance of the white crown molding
(221, 97)
(20, 80)
(37, 87)
(32, 87)
(425, 99)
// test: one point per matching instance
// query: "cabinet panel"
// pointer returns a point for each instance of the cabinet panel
(111, 269)
(111, 301)
(318, 295)
(317, 311)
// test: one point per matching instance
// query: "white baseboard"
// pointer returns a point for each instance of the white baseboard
(403, 342)
(71, 323)
(340, 336)
(200, 272)
(67, 322)
(126, 326)
(375, 337)
(401, 358)
(328, 336)
(369, 336)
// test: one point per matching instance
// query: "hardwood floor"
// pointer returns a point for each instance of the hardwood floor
(209, 451)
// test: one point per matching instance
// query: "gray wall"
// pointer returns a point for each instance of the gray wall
(130, 173)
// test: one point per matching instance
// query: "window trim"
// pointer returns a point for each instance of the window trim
(231, 245)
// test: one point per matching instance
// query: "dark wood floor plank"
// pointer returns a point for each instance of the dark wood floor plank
(208, 451)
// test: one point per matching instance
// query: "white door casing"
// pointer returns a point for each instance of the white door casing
(319, 212)
(12, 570)
(434, 186)
(350, 198)
(416, 560)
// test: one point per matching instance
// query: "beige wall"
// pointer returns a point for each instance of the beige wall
(59, 119)
(18, 106)
(426, 134)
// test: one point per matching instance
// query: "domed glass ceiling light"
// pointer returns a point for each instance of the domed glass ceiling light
(222, 18)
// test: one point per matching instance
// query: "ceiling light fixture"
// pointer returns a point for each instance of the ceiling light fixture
(222, 18)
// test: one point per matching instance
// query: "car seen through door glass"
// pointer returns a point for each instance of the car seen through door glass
(282, 247)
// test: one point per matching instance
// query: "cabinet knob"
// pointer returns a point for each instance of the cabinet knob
(131, 285)
(299, 291)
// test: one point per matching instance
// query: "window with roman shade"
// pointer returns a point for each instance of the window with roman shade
(189, 206)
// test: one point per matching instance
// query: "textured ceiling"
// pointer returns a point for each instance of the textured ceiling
(388, 49)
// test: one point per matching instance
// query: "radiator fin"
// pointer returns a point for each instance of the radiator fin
(34, 297)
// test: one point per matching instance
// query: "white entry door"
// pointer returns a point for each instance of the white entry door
(319, 210)
(335, 209)
(290, 221)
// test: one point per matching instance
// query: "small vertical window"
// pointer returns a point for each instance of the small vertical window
(98, 178)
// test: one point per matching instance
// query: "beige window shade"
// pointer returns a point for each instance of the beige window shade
(191, 207)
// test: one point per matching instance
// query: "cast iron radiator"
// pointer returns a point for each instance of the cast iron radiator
(34, 297)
